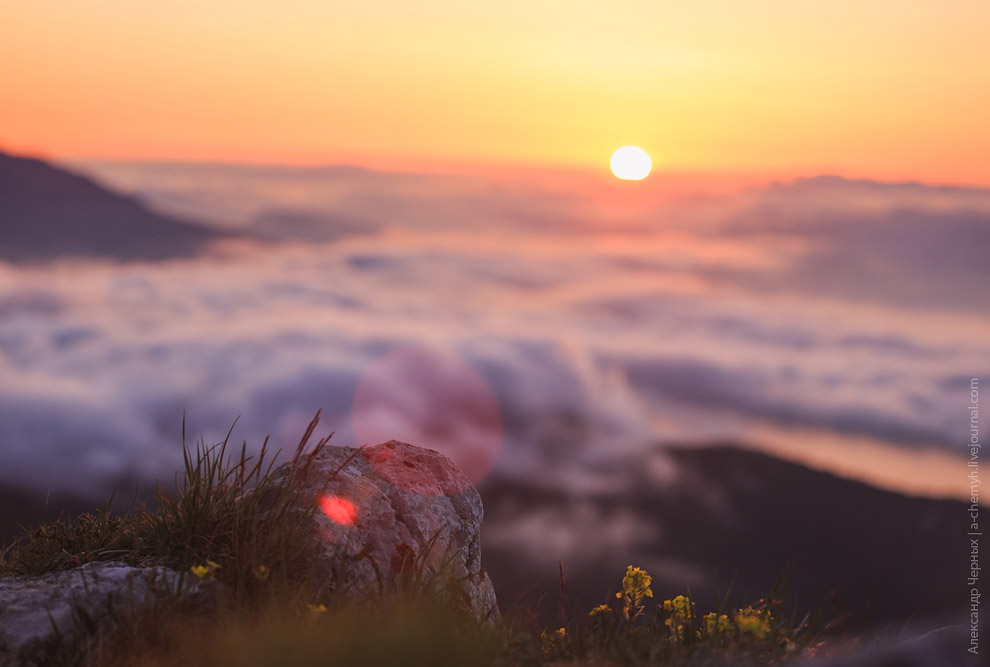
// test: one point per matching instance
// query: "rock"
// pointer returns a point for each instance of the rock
(396, 513)
(44, 616)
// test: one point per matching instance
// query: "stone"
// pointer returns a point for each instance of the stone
(43, 616)
(395, 513)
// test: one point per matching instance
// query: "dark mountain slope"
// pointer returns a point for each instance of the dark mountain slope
(48, 213)
(732, 512)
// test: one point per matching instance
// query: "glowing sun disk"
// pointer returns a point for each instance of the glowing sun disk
(631, 163)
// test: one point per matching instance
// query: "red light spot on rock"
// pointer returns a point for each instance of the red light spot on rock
(337, 509)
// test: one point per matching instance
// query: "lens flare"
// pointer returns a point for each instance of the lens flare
(433, 399)
(339, 510)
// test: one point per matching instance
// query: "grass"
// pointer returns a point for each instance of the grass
(232, 510)
(235, 520)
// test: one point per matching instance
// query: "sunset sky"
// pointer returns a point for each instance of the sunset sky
(886, 90)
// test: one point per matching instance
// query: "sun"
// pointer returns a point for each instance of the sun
(631, 163)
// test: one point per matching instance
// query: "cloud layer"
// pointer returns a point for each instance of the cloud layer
(564, 335)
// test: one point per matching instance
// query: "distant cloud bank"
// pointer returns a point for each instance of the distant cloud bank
(564, 336)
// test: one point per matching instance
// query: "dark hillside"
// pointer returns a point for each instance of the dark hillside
(736, 512)
(48, 213)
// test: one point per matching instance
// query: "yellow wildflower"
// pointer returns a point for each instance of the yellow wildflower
(553, 644)
(753, 621)
(205, 572)
(600, 610)
(715, 623)
(636, 583)
(635, 587)
(679, 614)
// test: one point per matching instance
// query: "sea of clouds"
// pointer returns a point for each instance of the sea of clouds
(526, 328)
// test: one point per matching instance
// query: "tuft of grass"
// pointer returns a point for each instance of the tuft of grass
(229, 510)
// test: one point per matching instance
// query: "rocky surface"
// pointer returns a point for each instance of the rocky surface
(43, 616)
(393, 515)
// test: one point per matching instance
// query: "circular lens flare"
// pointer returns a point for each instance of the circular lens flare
(433, 399)
(631, 163)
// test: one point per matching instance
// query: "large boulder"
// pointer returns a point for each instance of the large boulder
(395, 515)
(44, 616)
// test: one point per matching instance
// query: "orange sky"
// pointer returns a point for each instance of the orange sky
(882, 89)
